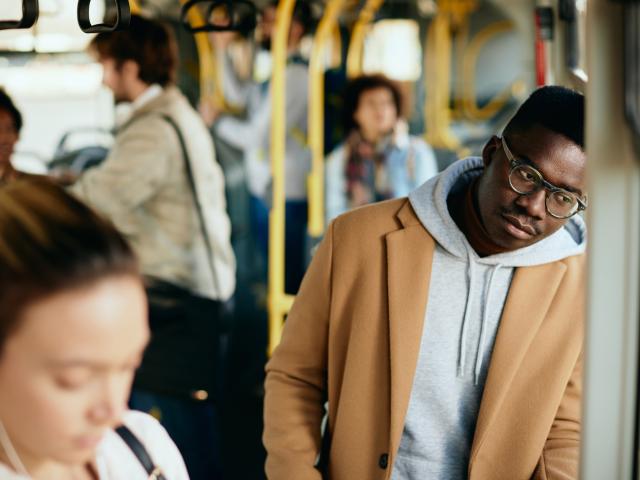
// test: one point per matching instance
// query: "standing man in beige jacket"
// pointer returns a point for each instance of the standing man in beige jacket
(144, 187)
(444, 330)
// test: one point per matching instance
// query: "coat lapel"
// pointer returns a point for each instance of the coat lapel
(409, 257)
(530, 296)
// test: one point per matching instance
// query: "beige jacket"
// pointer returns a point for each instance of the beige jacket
(142, 186)
(353, 337)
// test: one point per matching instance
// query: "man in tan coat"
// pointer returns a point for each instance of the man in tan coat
(442, 334)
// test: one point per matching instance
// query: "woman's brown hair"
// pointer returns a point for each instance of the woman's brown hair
(51, 242)
(354, 90)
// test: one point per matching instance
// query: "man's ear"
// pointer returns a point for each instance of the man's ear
(490, 148)
(130, 70)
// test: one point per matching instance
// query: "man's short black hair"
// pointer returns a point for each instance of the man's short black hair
(8, 106)
(558, 109)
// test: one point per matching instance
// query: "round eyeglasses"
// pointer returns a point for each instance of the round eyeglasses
(526, 180)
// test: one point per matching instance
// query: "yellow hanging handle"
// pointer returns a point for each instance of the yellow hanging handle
(315, 184)
(358, 34)
(437, 75)
(279, 303)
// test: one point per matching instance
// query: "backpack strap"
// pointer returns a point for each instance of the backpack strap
(196, 199)
(138, 449)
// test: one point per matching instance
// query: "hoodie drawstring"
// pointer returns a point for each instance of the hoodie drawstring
(465, 320)
(483, 329)
(462, 357)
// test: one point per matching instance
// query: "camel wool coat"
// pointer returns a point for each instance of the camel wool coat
(352, 340)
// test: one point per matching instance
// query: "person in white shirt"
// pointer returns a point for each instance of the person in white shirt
(73, 327)
(10, 126)
(252, 134)
(145, 187)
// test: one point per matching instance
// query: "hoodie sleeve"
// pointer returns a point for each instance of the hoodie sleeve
(134, 170)
(560, 457)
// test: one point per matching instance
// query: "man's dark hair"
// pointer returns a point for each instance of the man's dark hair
(558, 109)
(8, 106)
(355, 89)
(148, 43)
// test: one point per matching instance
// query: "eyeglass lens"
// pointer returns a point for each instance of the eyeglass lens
(526, 180)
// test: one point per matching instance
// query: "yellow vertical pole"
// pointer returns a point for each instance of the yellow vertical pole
(358, 33)
(278, 302)
(437, 78)
(315, 185)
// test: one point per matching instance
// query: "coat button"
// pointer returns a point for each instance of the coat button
(383, 462)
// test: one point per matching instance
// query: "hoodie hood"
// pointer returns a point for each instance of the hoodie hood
(466, 298)
(430, 204)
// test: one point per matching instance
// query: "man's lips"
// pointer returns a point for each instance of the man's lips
(518, 229)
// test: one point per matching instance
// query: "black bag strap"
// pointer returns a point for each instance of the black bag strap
(196, 199)
(140, 452)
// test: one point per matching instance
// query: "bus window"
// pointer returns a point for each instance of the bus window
(393, 48)
(73, 95)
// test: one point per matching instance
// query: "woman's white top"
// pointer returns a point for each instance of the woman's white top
(116, 461)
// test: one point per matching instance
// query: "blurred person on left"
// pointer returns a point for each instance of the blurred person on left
(73, 328)
(10, 126)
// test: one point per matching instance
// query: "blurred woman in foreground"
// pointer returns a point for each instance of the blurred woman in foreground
(73, 327)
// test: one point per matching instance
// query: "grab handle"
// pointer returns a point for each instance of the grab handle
(121, 22)
(30, 12)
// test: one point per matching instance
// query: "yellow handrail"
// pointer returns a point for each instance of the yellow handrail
(210, 84)
(471, 54)
(278, 303)
(356, 46)
(315, 184)
(134, 6)
(336, 44)
(437, 75)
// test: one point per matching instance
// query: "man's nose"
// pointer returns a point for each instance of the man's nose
(534, 204)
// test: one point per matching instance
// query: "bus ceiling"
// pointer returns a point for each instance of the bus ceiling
(120, 11)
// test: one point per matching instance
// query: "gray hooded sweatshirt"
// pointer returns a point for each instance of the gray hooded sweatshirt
(466, 297)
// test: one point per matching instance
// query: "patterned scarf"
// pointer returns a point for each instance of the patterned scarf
(366, 171)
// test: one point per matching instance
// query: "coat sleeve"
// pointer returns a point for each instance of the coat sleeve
(560, 457)
(296, 383)
(132, 172)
